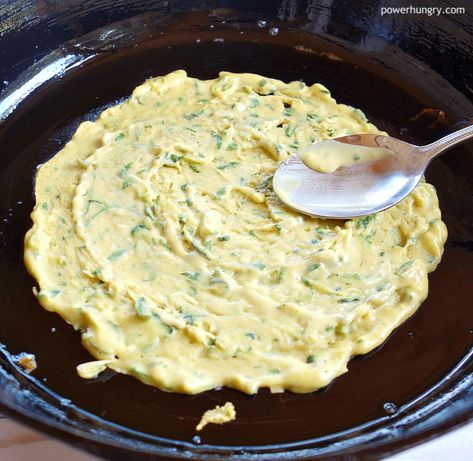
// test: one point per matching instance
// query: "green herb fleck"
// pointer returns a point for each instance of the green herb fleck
(310, 358)
(361, 115)
(190, 318)
(321, 231)
(313, 267)
(254, 103)
(48, 293)
(175, 158)
(281, 273)
(266, 182)
(404, 267)
(137, 229)
(119, 136)
(124, 171)
(194, 115)
(315, 117)
(259, 266)
(290, 130)
(224, 166)
(362, 223)
(218, 140)
(150, 213)
(141, 308)
(199, 249)
(221, 192)
(192, 275)
(219, 286)
(117, 254)
(194, 168)
(169, 329)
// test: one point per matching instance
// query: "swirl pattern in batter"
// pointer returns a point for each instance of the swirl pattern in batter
(157, 235)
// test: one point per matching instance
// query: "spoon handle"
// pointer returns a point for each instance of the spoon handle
(452, 139)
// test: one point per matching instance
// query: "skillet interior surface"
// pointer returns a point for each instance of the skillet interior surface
(417, 357)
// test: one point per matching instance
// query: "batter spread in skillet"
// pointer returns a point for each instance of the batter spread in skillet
(157, 235)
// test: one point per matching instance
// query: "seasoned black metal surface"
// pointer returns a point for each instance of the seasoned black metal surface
(424, 368)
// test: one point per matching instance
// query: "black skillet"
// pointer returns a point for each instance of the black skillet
(63, 62)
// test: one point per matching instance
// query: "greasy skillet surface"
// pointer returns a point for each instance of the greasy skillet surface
(418, 355)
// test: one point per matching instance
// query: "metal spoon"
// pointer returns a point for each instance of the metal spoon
(362, 188)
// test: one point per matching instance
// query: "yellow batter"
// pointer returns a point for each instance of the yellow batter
(331, 155)
(158, 236)
(218, 415)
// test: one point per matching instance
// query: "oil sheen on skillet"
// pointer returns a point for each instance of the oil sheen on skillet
(355, 397)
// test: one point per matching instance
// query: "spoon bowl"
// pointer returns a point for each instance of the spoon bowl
(361, 187)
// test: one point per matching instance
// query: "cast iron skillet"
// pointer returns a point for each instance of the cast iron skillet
(411, 78)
